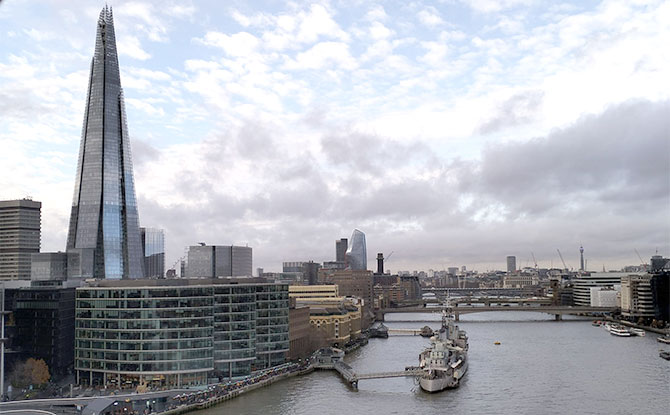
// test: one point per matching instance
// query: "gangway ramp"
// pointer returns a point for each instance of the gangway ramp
(348, 374)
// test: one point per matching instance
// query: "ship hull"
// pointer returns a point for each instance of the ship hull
(442, 383)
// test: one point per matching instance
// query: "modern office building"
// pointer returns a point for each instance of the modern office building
(581, 286)
(511, 264)
(357, 255)
(153, 247)
(660, 291)
(213, 261)
(19, 237)
(341, 246)
(174, 333)
(104, 223)
(636, 296)
(48, 266)
(44, 324)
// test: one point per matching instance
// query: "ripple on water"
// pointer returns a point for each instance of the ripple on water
(542, 366)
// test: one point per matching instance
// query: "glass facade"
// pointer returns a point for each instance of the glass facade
(234, 330)
(172, 333)
(161, 336)
(271, 324)
(357, 255)
(104, 220)
(153, 246)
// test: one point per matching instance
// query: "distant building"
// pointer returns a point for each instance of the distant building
(341, 246)
(357, 254)
(334, 265)
(19, 237)
(604, 296)
(310, 272)
(511, 264)
(153, 246)
(581, 286)
(313, 291)
(636, 296)
(520, 281)
(452, 270)
(660, 291)
(49, 266)
(212, 261)
(353, 283)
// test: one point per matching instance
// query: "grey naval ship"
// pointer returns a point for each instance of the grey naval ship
(445, 362)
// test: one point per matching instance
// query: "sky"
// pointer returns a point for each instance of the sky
(451, 133)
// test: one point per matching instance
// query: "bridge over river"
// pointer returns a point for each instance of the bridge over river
(557, 311)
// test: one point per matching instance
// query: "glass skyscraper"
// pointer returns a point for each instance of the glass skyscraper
(357, 254)
(153, 246)
(104, 229)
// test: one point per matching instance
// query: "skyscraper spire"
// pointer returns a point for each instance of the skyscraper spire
(104, 223)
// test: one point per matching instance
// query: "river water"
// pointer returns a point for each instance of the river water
(541, 367)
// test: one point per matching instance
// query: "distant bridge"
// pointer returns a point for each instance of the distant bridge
(557, 311)
(475, 300)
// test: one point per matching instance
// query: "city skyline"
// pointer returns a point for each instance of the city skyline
(524, 130)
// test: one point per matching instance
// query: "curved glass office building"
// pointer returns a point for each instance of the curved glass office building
(141, 334)
(174, 333)
(357, 255)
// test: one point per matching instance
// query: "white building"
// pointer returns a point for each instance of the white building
(605, 296)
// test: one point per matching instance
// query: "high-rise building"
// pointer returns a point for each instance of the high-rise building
(212, 261)
(341, 249)
(511, 264)
(357, 255)
(153, 247)
(581, 258)
(19, 237)
(104, 229)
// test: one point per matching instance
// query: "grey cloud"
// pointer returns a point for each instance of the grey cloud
(602, 182)
(518, 109)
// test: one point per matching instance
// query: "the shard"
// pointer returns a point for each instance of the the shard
(104, 231)
(357, 254)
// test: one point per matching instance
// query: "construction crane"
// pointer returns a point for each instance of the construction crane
(534, 260)
(387, 258)
(644, 264)
(565, 267)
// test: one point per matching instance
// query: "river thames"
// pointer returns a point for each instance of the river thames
(540, 367)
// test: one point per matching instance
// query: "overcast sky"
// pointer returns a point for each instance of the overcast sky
(451, 132)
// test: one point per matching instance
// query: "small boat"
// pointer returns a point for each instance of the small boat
(665, 355)
(619, 331)
(596, 323)
(664, 339)
(637, 332)
(497, 343)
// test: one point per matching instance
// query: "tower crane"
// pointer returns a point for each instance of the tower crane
(534, 260)
(565, 267)
(644, 264)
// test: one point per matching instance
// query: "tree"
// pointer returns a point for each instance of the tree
(30, 372)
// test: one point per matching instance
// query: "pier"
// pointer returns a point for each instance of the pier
(348, 374)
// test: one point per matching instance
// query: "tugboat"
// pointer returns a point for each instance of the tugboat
(445, 362)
